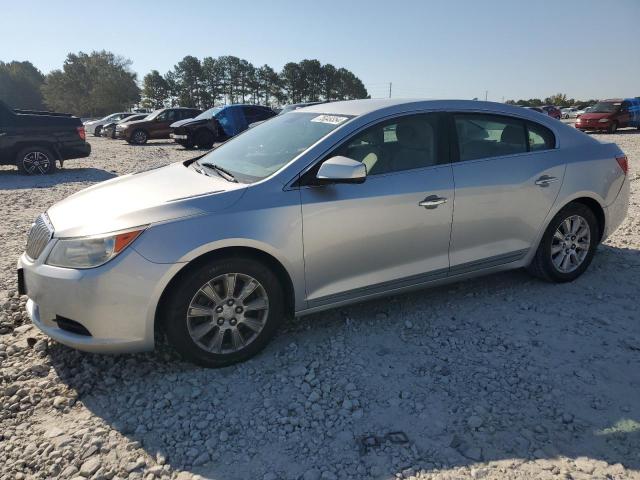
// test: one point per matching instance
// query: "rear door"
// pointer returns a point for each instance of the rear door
(507, 178)
(363, 239)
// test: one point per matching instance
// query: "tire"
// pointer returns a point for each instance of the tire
(204, 139)
(139, 137)
(613, 127)
(208, 339)
(547, 264)
(36, 161)
(97, 131)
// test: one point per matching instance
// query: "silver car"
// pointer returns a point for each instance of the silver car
(324, 206)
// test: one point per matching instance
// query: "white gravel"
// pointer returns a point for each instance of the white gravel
(498, 377)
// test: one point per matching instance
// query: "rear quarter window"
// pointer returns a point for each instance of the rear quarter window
(540, 138)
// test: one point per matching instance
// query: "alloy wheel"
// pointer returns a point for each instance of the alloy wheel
(36, 162)
(227, 313)
(570, 244)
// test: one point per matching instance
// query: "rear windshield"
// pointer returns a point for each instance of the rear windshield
(265, 148)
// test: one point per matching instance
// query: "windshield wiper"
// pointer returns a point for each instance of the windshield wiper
(223, 172)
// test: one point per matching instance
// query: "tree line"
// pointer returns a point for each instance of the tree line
(559, 100)
(100, 82)
(229, 79)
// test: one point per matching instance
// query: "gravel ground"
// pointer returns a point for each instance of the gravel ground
(497, 377)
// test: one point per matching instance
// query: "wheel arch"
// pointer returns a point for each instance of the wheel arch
(225, 252)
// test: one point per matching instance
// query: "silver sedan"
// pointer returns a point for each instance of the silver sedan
(324, 206)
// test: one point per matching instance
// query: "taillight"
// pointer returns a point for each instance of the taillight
(624, 163)
(81, 132)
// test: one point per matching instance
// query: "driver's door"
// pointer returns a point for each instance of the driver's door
(161, 127)
(373, 237)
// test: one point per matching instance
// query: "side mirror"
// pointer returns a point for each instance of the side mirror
(341, 170)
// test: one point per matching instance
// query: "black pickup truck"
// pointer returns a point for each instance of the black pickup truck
(33, 141)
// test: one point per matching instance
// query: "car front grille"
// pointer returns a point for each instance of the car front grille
(40, 234)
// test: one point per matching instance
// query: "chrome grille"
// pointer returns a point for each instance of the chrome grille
(40, 234)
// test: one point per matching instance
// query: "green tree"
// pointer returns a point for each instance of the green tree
(189, 82)
(92, 84)
(155, 90)
(20, 84)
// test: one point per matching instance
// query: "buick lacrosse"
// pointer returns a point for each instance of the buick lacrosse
(323, 206)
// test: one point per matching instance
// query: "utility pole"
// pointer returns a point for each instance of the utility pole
(486, 92)
(389, 89)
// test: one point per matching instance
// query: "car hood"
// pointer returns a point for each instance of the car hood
(157, 195)
(132, 123)
(188, 121)
(594, 116)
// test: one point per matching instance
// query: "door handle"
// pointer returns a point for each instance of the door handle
(432, 201)
(545, 181)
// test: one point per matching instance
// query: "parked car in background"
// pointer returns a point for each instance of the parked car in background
(94, 127)
(537, 109)
(155, 125)
(217, 124)
(325, 206)
(109, 129)
(609, 115)
(34, 141)
(569, 112)
(552, 111)
(583, 110)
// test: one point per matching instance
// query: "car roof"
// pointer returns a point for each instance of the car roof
(362, 107)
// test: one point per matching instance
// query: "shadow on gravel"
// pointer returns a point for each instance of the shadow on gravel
(14, 180)
(497, 368)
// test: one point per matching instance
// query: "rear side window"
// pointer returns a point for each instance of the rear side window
(540, 138)
(483, 136)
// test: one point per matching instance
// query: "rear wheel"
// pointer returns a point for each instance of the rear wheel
(36, 161)
(97, 131)
(139, 137)
(567, 246)
(224, 312)
(613, 127)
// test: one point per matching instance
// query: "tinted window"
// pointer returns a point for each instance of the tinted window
(540, 138)
(482, 136)
(255, 114)
(168, 116)
(395, 145)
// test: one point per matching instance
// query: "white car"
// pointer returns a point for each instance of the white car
(568, 112)
(95, 126)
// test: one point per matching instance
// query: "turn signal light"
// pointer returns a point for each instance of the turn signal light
(624, 163)
(124, 239)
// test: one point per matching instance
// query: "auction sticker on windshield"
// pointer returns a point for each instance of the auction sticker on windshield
(331, 119)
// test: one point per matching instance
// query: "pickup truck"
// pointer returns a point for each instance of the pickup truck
(33, 140)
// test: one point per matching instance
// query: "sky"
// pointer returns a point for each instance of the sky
(504, 49)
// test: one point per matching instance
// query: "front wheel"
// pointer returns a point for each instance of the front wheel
(97, 131)
(567, 246)
(139, 137)
(36, 161)
(224, 312)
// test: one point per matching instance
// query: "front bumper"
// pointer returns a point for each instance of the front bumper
(116, 302)
(592, 125)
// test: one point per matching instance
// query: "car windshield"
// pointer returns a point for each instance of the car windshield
(605, 107)
(154, 114)
(207, 114)
(260, 151)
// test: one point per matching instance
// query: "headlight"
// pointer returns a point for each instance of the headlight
(578, 119)
(603, 120)
(89, 252)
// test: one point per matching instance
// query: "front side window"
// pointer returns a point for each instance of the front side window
(483, 136)
(260, 151)
(167, 116)
(395, 145)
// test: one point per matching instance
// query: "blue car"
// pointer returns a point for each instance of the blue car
(217, 124)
